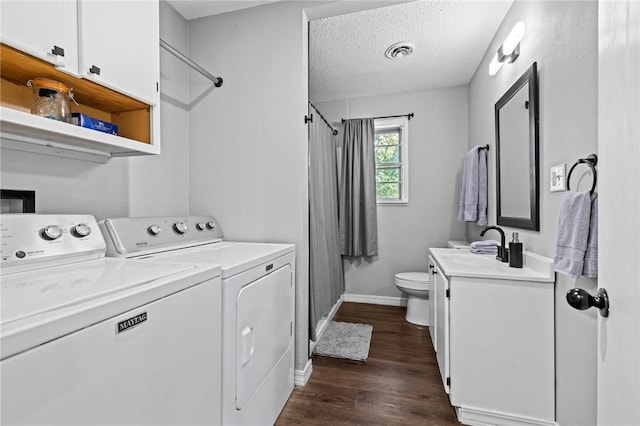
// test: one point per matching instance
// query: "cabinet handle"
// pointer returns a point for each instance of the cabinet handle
(58, 51)
(94, 70)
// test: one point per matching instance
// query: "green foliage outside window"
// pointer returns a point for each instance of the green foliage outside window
(388, 175)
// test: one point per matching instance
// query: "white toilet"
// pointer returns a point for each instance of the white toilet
(416, 286)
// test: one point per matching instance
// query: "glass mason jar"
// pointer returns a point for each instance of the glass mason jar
(50, 99)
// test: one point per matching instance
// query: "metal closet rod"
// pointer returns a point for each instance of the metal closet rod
(409, 116)
(217, 81)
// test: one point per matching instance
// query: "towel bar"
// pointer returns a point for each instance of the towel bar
(591, 161)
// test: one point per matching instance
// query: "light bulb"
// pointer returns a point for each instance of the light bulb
(513, 39)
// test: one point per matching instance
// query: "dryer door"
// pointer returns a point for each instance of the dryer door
(263, 332)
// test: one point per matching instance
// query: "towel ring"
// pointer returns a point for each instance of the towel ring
(590, 161)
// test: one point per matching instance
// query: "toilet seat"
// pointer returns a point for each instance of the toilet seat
(413, 280)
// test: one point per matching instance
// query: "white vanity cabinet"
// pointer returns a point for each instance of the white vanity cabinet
(498, 327)
(432, 304)
(47, 30)
(119, 38)
(119, 45)
(441, 284)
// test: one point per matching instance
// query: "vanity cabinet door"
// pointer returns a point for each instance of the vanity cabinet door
(442, 324)
(119, 46)
(432, 304)
(502, 348)
(44, 29)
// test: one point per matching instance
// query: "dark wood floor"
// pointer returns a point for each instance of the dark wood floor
(399, 383)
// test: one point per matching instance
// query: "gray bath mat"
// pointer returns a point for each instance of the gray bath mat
(345, 340)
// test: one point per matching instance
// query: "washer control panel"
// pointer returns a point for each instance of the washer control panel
(138, 236)
(27, 239)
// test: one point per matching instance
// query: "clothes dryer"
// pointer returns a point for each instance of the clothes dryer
(258, 294)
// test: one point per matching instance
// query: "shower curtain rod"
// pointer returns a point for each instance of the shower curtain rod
(217, 81)
(334, 131)
(409, 116)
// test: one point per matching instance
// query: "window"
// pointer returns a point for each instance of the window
(392, 159)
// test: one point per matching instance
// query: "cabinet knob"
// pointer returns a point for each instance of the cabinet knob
(58, 51)
(94, 70)
(581, 300)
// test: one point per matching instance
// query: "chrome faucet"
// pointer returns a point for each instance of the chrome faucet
(503, 252)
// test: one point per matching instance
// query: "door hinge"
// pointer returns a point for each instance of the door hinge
(291, 328)
(448, 293)
(448, 381)
(308, 119)
(157, 86)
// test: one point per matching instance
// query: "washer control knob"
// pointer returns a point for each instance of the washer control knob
(154, 230)
(211, 225)
(81, 230)
(201, 226)
(180, 227)
(51, 232)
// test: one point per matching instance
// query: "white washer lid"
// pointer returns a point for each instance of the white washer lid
(31, 293)
(419, 277)
(39, 306)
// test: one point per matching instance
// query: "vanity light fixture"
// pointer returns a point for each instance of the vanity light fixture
(509, 50)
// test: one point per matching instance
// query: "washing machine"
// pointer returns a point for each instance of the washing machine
(258, 294)
(88, 340)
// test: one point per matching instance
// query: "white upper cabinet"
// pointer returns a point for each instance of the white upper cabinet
(47, 30)
(119, 44)
(80, 37)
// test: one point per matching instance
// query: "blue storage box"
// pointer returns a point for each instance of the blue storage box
(84, 120)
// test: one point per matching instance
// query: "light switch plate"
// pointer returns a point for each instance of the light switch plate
(558, 178)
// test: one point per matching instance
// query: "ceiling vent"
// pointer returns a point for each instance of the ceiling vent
(399, 50)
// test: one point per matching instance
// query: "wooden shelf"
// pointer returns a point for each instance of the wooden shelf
(134, 118)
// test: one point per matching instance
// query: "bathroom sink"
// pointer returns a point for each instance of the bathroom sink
(463, 263)
(467, 259)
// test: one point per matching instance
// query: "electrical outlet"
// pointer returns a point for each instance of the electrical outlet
(558, 178)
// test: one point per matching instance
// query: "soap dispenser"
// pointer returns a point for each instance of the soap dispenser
(515, 252)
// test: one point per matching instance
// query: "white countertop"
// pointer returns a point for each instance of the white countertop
(463, 263)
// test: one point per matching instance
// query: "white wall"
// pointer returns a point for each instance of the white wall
(159, 184)
(65, 185)
(437, 142)
(562, 38)
(248, 154)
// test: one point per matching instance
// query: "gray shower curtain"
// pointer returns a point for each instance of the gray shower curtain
(358, 209)
(326, 277)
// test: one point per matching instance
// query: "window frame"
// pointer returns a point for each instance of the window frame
(401, 123)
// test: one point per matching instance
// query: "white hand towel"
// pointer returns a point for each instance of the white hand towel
(484, 243)
(482, 187)
(572, 233)
(590, 268)
(468, 211)
(484, 250)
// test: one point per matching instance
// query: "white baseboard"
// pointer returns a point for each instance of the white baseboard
(324, 323)
(475, 417)
(301, 377)
(375, 300)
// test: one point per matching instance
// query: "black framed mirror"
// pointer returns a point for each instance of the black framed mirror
(517, 163)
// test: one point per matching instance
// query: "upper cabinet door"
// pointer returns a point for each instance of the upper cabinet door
(119, 46)
(44, 29)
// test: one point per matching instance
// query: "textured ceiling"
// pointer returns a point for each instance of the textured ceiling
(346, 53)
(192, 9)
